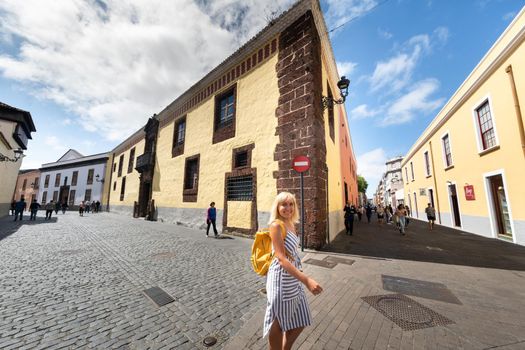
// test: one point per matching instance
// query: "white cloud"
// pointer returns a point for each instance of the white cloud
(396, 72)
(416, 101)
(346, 68)
(384, 33)
(54, 143)
(363, 112)
(509, 16)
(442, 34)
(114, 63)
(67, 121)
(371, 166)
(341, 11)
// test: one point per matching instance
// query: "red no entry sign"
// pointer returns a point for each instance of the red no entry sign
(301, 164)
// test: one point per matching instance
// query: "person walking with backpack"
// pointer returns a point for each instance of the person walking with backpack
(211, 218)
(287, 311)
(350, 212)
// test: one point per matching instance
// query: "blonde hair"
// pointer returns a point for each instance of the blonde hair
(281, 198)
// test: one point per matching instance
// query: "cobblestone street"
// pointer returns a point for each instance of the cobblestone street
(78, 281)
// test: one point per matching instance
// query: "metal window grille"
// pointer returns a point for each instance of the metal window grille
(240, 188)
(486, 127)
(241, 159)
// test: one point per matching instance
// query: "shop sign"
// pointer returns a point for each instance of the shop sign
(469, 193)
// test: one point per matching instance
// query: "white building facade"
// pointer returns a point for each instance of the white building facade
(73, 178)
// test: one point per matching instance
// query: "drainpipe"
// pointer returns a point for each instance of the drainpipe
(435, 180)
(517, 106)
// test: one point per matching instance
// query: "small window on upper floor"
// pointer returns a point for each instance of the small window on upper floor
(427, 163)
(120, 165)
(406, 174)
(447, 153)
(331, 125)
(179, 136)
(485, 125)
(225, 113)
(131, 160)
(412, 170)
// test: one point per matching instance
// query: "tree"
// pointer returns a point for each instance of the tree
(362, 185)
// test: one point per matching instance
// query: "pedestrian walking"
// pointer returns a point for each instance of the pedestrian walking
(431, 215)
(287, 310)
(81, 208)
(360, 211)
(64, 207)
(211, 217)
(407, 220)
(368, 212)
(97, 206)
(401, 214)
(350, 212)
(87, 207)
(13, 205)
(49, 210)
(34, 209)
(57, 207)
(389, 213)
(20, 206)
(380, 214)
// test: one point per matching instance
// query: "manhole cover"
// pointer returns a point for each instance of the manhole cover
(419, 288)
(338, 260)
(163, 255)
(322, 263)
(408, 314)
(209, 341)
(158, 296)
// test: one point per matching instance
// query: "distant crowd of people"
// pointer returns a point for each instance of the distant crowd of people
(19, 207)
(398, 216)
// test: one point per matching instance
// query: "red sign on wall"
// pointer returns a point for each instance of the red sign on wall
(469, 193)
(301, 164)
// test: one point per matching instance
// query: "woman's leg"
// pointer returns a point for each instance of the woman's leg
(275, 337)
(290, 337)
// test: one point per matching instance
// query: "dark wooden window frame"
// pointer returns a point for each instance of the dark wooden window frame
(178, 148)
(86, 197)
(44, 197)
(123, 188)
(72, 195)
(57, 180)
(221, 133)
(248, 149)
(90, 178)
(74, 178)
(120, 165)
(46, 181)
(131, 160)
(487, 137)
(190, 195)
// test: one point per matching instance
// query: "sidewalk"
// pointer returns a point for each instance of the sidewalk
(468, 293)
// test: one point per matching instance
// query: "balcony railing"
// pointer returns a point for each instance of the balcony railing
(144, 162)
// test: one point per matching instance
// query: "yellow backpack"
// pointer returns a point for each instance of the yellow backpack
(262, 255)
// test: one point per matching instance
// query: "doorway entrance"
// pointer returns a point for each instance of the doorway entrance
(453, 195)
(431, 197)
(500, 207)
(64, 194)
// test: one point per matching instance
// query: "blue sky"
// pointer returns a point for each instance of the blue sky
(91, 72)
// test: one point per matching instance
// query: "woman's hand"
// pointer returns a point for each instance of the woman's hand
(314, 287)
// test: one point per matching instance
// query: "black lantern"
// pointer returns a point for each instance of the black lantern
(343, 90)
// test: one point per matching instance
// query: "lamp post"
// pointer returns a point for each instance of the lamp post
(328, 101)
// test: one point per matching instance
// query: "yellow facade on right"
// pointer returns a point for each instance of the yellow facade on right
(469, 163)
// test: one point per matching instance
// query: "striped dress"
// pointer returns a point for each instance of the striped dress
(286, 299)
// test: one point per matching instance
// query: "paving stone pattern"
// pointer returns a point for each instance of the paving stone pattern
(78, 283)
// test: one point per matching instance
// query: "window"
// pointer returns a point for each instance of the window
(120, 164)
(57, 180)
(24, 184)
(346, 193)
(427, 163)
(55, 196)
(131, 160)
(44, 197)
(412, 170)
(72, 197)
(447, 155)
(123, 188)
(179, 135)
(191, 179)
(241, 159)
(91, 172)
(36, 184)
(114, 185)
(406, 173)
(46, 182)
(331, 114)
(87, 195)
(114, 167)
(486, 126)
(74, 179)
(224, 119)
(239, 188)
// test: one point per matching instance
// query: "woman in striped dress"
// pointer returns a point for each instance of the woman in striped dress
(287, 311)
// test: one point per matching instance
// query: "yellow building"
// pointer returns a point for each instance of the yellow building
(231, 138)
(16, 127)
(470, 161)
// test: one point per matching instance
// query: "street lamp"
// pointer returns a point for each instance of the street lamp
(343, 89)
(98, 179)
(18, 154)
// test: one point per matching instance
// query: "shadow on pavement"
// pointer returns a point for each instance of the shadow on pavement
(8, 226)
(443, 245)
